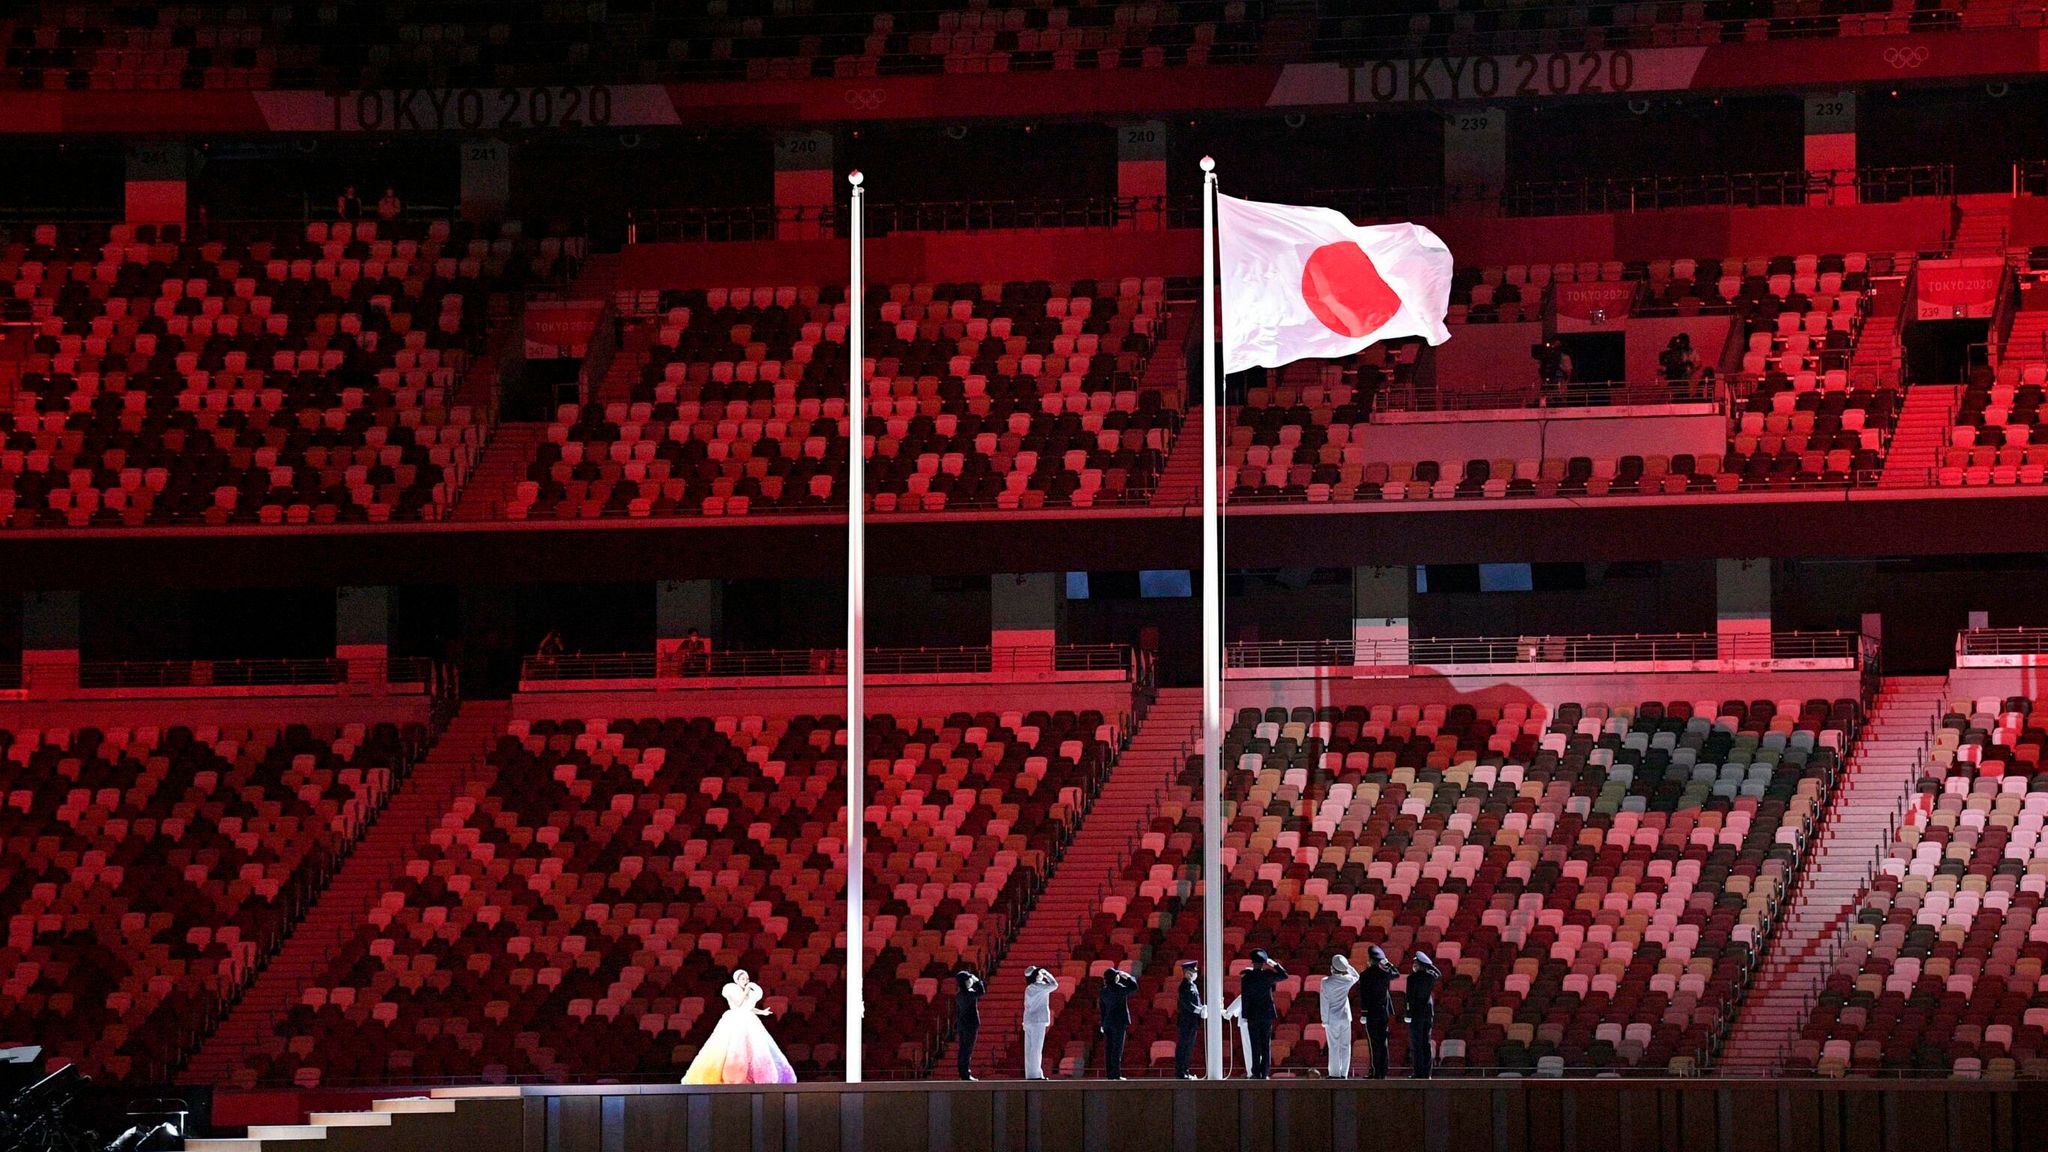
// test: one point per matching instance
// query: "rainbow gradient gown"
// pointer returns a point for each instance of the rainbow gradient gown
(740, 1051)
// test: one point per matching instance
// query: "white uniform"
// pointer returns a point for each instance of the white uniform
(1337, 1015)
(1235, 1011)
(1037, 1018)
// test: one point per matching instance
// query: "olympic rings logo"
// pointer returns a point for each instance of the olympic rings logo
(1904, 58)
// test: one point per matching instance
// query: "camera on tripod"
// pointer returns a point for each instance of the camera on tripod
(43, 1117)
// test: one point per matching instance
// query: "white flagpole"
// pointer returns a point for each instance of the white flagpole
(1212, 647)
(856, 640)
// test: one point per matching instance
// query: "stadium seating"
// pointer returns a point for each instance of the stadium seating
(1941, 969)
(305, 374)
(1017, 395)
(975, 37)
(577, 913)
(1997, 436)
(1594, 881)
(1806, 418)
(145, 871)
(1803, 416)
(377, 43)
(1466, 26)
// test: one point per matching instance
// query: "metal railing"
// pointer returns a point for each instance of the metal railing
(1527, 198)
(2030, 178)
(753, 663)
(2002, 642)
(738, 222)
(769, 222)
(242, 673)
(1838, 942)
(1600, 394)
(1655, 193)
(1675, 647)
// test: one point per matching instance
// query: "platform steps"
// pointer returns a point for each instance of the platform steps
(447, 1120)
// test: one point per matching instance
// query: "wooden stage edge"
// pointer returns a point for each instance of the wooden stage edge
(1665, 1115)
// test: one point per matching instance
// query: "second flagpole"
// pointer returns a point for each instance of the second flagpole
(1212, 647)
(856, 641)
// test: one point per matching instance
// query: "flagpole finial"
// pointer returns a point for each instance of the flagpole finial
(1208, 163)
(854, 177)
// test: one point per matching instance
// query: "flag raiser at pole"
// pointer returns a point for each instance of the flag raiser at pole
(1297, 283)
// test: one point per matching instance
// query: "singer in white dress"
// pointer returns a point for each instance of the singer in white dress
(1336, 996)
(740, 1051)
(1039, 985)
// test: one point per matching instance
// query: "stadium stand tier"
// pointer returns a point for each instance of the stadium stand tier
(1940, 969)
(302, 374)
(578, 901)
(1023, 394)
(376, 43)
(150, 870)
(1804, 409)
(1596, 881)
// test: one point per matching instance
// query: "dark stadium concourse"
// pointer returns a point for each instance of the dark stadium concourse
(1428, 575)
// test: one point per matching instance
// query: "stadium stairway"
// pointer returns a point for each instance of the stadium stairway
(456, 1119)
(1986, 223)
(2028, 340)
(1180, 482)
(1860, 822)
(1877, 340)
(454, 761)
(1922, 432)
(1142, 775)
(500, 469)
(624, 370)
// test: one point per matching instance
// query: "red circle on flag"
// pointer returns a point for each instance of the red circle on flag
(1345, 291)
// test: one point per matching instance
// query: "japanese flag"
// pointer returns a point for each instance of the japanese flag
(1306, 282)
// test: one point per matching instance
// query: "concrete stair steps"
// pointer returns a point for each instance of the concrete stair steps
(499, 470)
(1922, 432)
(1072, 896)
(1857, 823)
(260, 1133)
(405, 821)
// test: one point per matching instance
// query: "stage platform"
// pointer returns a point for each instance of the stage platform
(1667, 1115)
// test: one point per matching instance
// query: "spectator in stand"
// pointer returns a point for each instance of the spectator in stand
(550, 645)
(348, 205)
(1678, 360)
(389, 206)
(696, 654)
